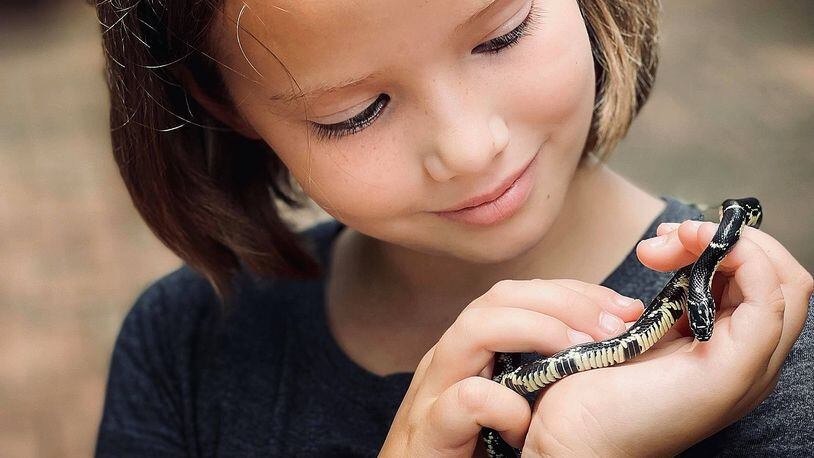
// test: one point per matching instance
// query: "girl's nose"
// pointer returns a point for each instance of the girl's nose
(467, 147)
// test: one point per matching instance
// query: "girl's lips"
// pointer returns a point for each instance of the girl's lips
(502, 207)
(489, 196)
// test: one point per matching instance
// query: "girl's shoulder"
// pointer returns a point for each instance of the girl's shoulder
(182, 304)
(180, 352)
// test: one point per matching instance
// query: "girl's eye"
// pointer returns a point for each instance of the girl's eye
(496, 45)
(366, 117)
(354, 124)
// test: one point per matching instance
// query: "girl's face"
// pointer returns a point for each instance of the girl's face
(441, 120)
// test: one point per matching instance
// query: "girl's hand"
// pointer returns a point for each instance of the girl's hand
(681, 391)
(452, 396)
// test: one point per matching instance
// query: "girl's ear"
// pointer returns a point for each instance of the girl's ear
(225, 113)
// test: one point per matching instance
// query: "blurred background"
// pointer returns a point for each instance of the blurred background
(732, 114)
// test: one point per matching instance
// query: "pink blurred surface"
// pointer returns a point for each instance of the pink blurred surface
(731, 115)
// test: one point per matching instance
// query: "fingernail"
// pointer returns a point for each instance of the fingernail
(623, 301)
(695, 224)
(668, 227)
(611, 323)
(579, 337)
(657, 242)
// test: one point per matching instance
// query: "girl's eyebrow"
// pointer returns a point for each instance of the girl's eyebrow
(477, 15)
(290, 95)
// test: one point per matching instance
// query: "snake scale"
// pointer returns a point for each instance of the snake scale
(689, 289)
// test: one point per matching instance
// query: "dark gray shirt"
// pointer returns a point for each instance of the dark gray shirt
(268, 379)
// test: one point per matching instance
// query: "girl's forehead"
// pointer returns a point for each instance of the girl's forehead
(337, 39)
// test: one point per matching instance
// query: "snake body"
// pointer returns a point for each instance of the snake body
(689, 289)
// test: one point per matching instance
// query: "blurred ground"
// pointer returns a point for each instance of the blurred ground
(731, 115)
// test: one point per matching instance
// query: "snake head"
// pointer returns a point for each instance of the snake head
(751, 207)
(754, 213)
(755, 217)
(701, 320)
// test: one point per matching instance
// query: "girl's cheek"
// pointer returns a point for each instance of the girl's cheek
(559, 73)
(369, 188)
(363, 174)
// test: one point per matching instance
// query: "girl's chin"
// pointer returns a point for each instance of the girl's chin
(500, 250)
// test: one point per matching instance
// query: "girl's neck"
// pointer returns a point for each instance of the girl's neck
(441, 286)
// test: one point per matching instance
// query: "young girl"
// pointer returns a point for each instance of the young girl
(460, 148)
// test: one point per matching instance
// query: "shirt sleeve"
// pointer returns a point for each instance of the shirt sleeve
(781, 425)
(142, 409)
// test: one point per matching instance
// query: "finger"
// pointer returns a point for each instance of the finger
(693, 244)
(470, 343)
(788, 268)
(691, 238)
(418, 377)
(683, 245)
(575, 309)
(696, 237)
(794, 319)
(796, 284)
(461, 411)
(664, 228)
(624, 307)
(757, 322)
(665, 252)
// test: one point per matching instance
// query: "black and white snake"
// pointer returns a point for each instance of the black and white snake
(689, 289)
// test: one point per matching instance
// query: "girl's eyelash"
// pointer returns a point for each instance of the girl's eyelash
(496, 45)
(368, 116)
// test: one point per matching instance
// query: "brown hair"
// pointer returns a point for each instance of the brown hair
(212, 195)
